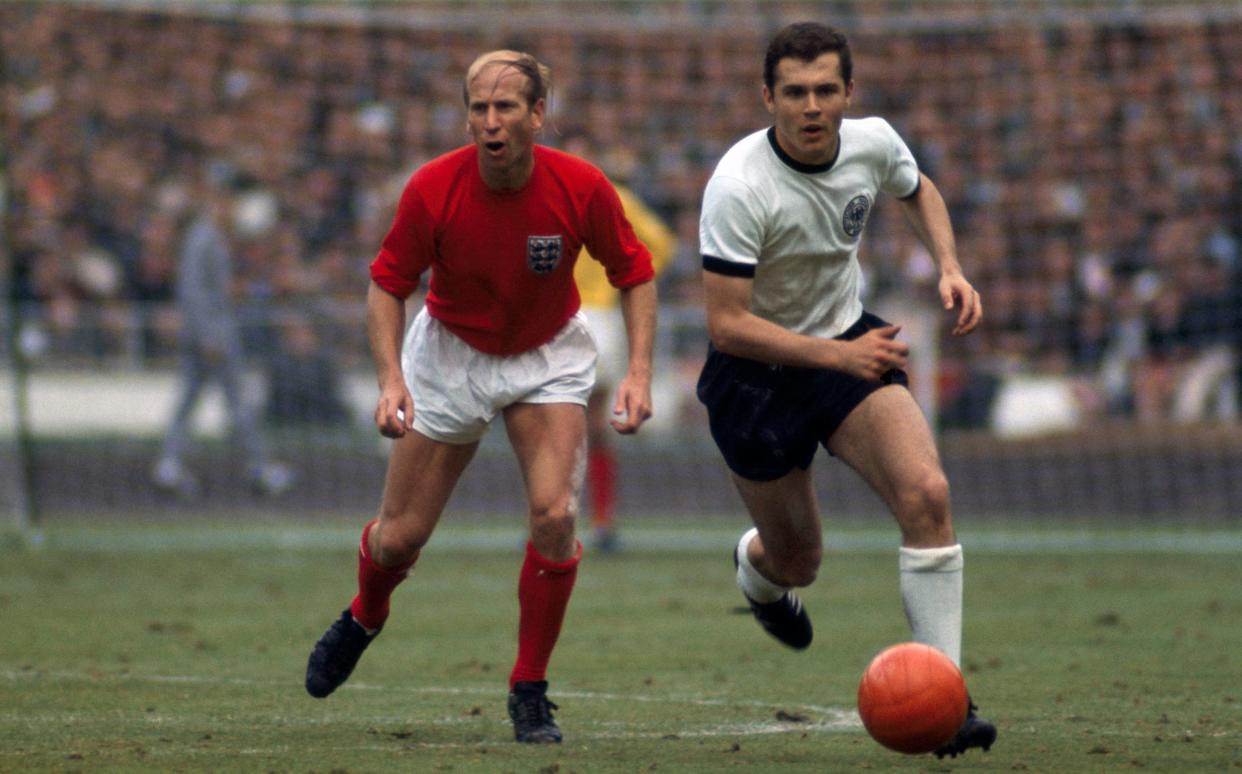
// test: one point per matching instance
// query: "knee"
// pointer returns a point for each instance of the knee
(928, 497)
(552, 529)
(924, 507)
(396, 546)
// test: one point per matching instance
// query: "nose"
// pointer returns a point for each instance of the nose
(812, 105)
(491, 121)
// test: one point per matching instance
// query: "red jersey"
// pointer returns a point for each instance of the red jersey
(502, 262)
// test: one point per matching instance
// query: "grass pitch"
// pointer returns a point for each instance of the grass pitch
(156, 648)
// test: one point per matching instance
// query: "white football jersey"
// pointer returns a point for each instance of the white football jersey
(795, 228)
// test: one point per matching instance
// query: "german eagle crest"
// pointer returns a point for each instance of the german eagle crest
(855, 215)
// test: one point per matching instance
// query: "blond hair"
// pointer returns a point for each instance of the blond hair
(538, 76)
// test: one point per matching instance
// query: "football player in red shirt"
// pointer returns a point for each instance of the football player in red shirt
(499, 223)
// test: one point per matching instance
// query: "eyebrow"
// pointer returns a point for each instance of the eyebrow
(814, 86)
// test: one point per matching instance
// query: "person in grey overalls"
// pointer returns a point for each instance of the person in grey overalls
(210, 347)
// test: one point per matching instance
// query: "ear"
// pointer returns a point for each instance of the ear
(537, 114)
(769, 100)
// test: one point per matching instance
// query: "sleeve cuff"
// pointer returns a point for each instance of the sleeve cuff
(918, 185)
(728, 268)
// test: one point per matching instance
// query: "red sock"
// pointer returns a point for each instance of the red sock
(602, 485)
(543, 594)
(375, 585)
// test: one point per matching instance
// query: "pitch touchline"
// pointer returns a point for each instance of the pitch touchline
(638, 538)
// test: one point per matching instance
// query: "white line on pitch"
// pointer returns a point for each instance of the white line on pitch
(834, 718)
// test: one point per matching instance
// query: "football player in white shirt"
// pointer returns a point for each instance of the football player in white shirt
(796, 362)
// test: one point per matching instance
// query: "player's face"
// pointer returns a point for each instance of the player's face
(807, 102)
(503, 125)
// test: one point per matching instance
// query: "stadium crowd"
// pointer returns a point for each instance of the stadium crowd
(1093, 166)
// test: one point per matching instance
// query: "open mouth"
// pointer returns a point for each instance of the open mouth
(495, 146)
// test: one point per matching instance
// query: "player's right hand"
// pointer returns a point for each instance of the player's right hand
(394, 414)
(874, 353)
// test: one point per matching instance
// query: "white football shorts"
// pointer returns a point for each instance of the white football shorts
(612, 344)
(459, 390)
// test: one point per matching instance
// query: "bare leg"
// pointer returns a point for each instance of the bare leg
(887, 440)
(422, 474)
(550, 442)
(784, 550)
(789, 548)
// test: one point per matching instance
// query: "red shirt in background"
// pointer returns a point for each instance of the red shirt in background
(502, 262)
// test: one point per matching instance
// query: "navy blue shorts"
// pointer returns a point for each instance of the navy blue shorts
(766, 419)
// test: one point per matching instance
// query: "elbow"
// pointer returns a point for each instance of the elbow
(722, 335)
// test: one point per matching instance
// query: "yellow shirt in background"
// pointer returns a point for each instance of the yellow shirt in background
(660, 240)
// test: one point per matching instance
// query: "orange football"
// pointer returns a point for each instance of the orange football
(912, 698)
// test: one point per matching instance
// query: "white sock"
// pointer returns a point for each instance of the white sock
(752, 584)
(931, 590)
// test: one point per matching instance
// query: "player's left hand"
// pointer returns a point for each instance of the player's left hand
(633, 405)
(956, 291)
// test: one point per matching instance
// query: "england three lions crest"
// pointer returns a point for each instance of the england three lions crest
(543, 253)
(855, 215)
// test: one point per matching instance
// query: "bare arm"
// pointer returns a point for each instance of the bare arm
(735, 330)
(929, 217)
(385, 329)
(633, 405)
